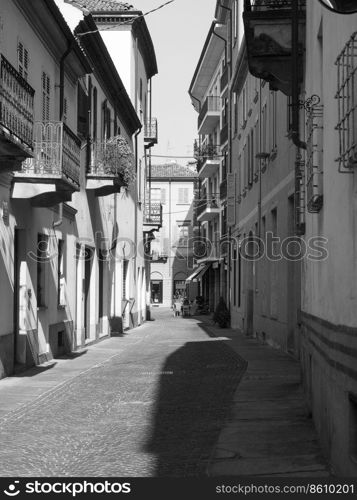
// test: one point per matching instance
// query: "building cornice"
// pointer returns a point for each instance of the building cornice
(106, 73)
(135, 19)
(212, 52)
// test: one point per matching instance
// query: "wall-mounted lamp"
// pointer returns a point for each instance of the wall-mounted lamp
(340, 6)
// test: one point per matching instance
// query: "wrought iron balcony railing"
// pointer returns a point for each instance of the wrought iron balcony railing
(153, 214)
(211, 104)
(265, 5)
(205, 203)
(112, 159)
(56, 153)
(150, 131)
(16, 103)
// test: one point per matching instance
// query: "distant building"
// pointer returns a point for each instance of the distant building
(172, 186)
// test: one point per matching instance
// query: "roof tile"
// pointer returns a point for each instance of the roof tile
(172, 170)
(101, 5)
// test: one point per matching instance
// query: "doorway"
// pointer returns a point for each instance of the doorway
(156, 291)
(20, 296)
(88, 266)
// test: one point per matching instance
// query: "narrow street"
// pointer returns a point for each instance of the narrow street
(162, 400)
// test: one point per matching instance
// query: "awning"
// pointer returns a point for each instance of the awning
(198, 273)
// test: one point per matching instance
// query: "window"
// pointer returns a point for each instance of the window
(235, 108)
(42, 259)
(82, 110)
(183, 234)
(347, 109)
(22, 60)
(95, 113)
(156, 195)
(163, 196)
(183, 196)
(106, 121)
(46, 95)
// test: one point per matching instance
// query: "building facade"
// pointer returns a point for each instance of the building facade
(173, 187)
(290, 191)
(71, 185)
(209, 95)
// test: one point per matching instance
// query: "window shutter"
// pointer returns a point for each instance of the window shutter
(163, 196)
(46, 94)
(82, 115)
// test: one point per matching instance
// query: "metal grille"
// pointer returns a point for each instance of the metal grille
(56, 152)
(300, 195)
(16, 103)
(347, 105)
(314, 159)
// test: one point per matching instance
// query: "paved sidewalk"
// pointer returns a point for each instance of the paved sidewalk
(268, 431)
(176, 397)
(25, 388)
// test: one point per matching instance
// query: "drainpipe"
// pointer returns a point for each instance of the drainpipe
(199, 102)
(229, 138)
(59, 221)
(136, 208)
(61, 85)
(295, 135)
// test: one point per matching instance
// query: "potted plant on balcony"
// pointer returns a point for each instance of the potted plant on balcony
(119, 161)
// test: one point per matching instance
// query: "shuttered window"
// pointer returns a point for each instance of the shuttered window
(46, 96)
(23, 60)
(183, 196)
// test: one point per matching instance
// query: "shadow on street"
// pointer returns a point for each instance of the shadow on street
(195, 394)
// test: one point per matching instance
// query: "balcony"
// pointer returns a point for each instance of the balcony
(224, 78)
(111, 166)
(209, 115)
(16, 117)
(208, 160)
(52, 175)
(150, 132)
(152, 217)
(205, 251)
(268, 31)
(207, 209)
(223, 190)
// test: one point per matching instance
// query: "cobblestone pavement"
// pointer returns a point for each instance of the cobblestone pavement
(154, 407)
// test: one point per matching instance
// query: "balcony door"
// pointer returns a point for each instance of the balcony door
(88, 266)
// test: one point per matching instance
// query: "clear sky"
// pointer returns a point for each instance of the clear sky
(179, 31)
